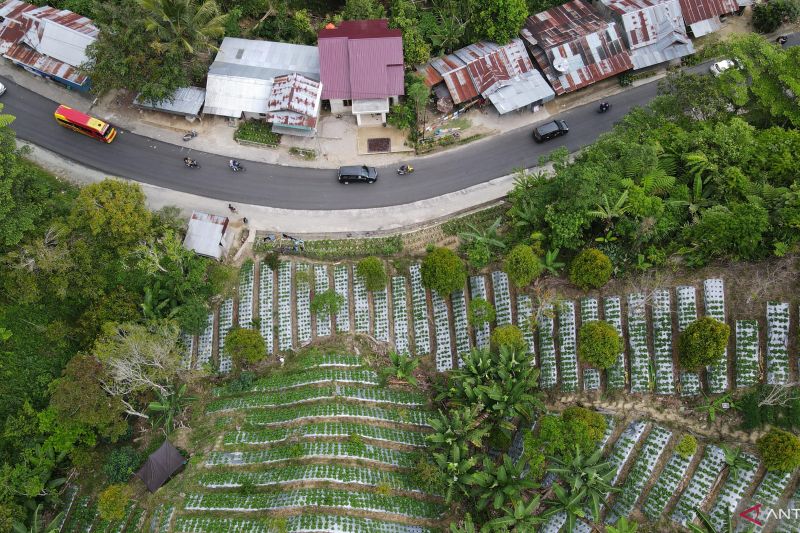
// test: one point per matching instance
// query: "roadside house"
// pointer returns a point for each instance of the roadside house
(702, 16)
(654, 29)
(208, 235)
(575, 47)
(240, 81)
(293, 105)
(46, 41)
(504, 75)
(361, 68)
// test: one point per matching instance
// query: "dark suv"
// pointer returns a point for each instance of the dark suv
(550, 130)
(362, 173)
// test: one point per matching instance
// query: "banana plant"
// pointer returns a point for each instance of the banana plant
(587, 477)
(402, 368)
(520, 516)
(169, 407)
(458, 426)
(500, 484)
(36, 523)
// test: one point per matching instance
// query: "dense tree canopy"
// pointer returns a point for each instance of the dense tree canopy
(443, 271)
(702, 343)
(599, 344)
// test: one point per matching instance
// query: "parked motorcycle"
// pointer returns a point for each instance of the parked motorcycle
(189, 135)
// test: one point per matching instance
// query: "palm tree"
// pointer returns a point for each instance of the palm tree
(586, 477)
(519, 517)
(183, 26)
(608, 212)
(458, 426)
(459, 470)
(402, 368)
(500, 484)
(36, 524)
(699, 166)
(487, 236)
(169, 407)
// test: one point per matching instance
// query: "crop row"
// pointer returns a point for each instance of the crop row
(320, 360)
(265, 286)
(321, 285)
(315, 375)
(225, 325)
(547, 350)
(733, 491)
(769, 493)
(502, 297)
(662, 342)
(306, 523)
(204, 343)
(326, 430)
(342, 410)
(590, 312)
(612, 312)
(341, 284)
(312, 449)
(444, 350)
(687, 313)
(714, 301)
(459, 302)
(478, 291)
(524, 313)
(246, 295)
(637, 338)
(302, 304)
(380, 300)
(699, 487)
(285, 334)
(624, 446)
(666, 485)
(400, 315)
(311, 498)
(777, 342)
(747, 365)
(422, 336)
(567, 344)
(361, 304)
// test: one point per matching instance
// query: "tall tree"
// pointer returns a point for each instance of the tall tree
(184, 25)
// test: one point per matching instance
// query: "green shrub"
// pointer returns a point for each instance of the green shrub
(480, 312)
(272, 260)
(702, 343)
(599, 344)
(245, 346)
(686, 447)
(522, 265)
(780, 450)
(372, 271)
(121, 463)
(327, 303)
(256, 131)
(508, 335)
(443, 271)
(591, 269)
(587, 427)
(427, 476)
(112, 502)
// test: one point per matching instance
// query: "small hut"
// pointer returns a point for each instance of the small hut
(160, 466)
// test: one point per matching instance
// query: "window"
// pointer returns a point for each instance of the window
(239, 53)
(347, 103)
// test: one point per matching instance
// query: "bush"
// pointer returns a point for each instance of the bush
(785, 414)
(272, 260)
(256, 131)
(112, 502)
(599, 344)
(480, 312)
(591, 269)
(522, 265)
(780, 450)
(508, 335)
(702, 343)
(372, 271)
(584, 426)
(327, 303)
(121, 464)
(686, 447)
(768, 16)
(443, 271)
(245, 346)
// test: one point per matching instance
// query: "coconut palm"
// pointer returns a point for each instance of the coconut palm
(184, 26)
(520, 516)
(458, 426)
(586, 477)
(500, 484)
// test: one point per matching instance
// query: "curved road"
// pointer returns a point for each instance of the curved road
(161, 164)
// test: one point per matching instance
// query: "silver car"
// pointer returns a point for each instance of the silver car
(721, 66)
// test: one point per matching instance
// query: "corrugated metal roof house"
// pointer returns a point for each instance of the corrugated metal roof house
(702, 16)
(240, 79)
(293, 105)
(654, 29)
(207, 235)
(574, 47)
(504, 74)
(47, 41)
(186, 102)
(361, 67)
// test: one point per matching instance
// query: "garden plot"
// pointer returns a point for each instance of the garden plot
(361, 304)
(346, 412)
(502, 298)
(309, 473)
(70, 496)
(317, 375)
(637, 338)
(460, 324)
(662, 342)
(321, 285)
(160, 521)
(246, 296)
(225, 325)
(285, 335)
(686, 299)
(732, 493)
(699, 487)
(640, 473)
(612, 310)
(205, 343)
(566, 342)
(714, 301)
(314, 498)
(623, 448)
(312, 450)
(265, 282)
(302, 302)
(777, 343)
(768, 494)
(547, 350)
(555, 523)
(748, 371)
(341, 284)
(306, 523)
(610, 424)
(380, 299)
(327, 430)
(791, 524)
(444, 348)
(590, 313)
(524, 314)
(422, 338)
(400, 315)
(667, 483)
(477, 286)
(328, 360)
(188, 344)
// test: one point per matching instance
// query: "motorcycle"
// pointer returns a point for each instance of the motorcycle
(189, 135)
(605, 106)
(191, 163)
(782, 40)
(405, 169)
(237, 167)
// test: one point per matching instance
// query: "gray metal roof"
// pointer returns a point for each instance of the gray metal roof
(186, 101)
(520, 91)
(205, 234)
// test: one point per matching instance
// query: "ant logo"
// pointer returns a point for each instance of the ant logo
(754, 509)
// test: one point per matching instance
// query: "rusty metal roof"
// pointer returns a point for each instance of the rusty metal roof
(478, 69)
(14, 24)
(575, 47)
(294, 101)
(26, 56)
(699, 10)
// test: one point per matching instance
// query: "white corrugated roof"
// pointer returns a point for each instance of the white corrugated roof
(521, 91)
(184, 101)
(205, 234)
(63, 43)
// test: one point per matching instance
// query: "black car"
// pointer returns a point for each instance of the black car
(550, 130)
(363, 173)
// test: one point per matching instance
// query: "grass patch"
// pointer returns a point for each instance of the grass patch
(303, 153)
(482, 218)
(337, 248)
(258, 132)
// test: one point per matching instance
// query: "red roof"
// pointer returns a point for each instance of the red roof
(697, 10)
(361, 59)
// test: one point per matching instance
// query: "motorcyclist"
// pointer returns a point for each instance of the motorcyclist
(189, 162)
(604, 106)
(234, 164)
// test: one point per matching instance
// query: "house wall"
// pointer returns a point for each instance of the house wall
(337, 106)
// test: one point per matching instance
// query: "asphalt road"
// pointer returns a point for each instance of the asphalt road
(161, 164)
